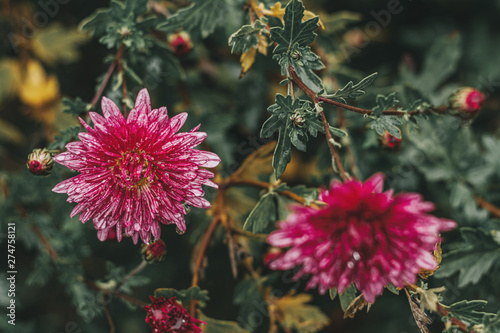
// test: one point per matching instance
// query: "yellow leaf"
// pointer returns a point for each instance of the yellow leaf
(247, 59)
(298, 315)
(424, 273)
(37, 88)
(56, 43)
(263, 44)
(279, 12)
(356, 305)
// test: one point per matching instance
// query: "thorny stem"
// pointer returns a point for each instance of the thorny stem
(108, 315)
(494, 210)
(333, 150)
(443, 311)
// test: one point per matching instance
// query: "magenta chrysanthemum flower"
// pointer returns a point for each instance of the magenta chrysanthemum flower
(361, 236)
(136, 173)
(166, 315)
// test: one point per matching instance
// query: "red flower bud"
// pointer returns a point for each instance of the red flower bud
(40, 162)
(390, 141)
(180, 43)
(467, 101)
(154, 252)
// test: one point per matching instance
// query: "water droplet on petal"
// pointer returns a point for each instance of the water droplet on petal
(356, 256)
(137, 227)
(350, 264)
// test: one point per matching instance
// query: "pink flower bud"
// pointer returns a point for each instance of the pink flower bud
(467, 101)
(390, 141)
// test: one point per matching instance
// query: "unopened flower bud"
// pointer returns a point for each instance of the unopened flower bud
(40, 162)
(467, 101)
(297, 119)
(154, 252)
(390, 141)
(180, 43)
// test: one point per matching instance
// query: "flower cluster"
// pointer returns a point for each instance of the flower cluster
(362, 236)
(136, 173)
(166, 315)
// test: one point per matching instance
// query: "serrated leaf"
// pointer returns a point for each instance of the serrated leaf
(202, 15)
(263, 216)
(384, 103)
(97, 23)
(472, 262)
(492, 323)
(184, 296)
(467, 311)
(289, 133)
(351, 90)
(75, 106)
(347, 297)
(387, 123)
(219, 326)
(294, 31)
(69, 135)
(246, 38)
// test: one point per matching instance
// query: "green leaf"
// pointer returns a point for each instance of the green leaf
(347, 297)
(333, 293)
(76, 106)
(294, 31)
(467, 311)
(220, 326)
(383, 103)
(69, 135)
(472, 262)
(97, 23)
(392, 289)
(202, 15)
(184, 296)
(246, 38)
(491, 323)
(351, 90)
(387, 123)
(289, 132)
(248, 297)
(263, 216)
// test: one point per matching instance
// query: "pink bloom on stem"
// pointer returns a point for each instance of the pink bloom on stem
(362, 236)
(166, 315)
(136, 173)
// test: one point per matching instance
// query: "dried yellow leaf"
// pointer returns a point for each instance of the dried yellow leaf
(279, 12)
(37, 88)
(247, 59)
(300, 316)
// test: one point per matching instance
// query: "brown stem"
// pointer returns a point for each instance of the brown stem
(104, 83)
(263, 185)
(45, 242)
(119, 60)
(315, 98)
(108, 315)
(333, 151)
(347, 144)
(443, 311)
(249, 234)
(494, 210)
(199, 258)
(115, 293)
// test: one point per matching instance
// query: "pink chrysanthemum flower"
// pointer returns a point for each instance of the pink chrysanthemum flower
(136, 173)
(362, 236)
(166, 315)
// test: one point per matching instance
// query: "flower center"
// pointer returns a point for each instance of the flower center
(134, 170)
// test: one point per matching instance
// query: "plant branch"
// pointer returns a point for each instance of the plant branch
(115, 293)
(104, 83)
(347, 144)
(108, 315)
(119, 60)
(133, 272)
(494, 210)
(316, 99)
(333, 150)
(45, 242)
